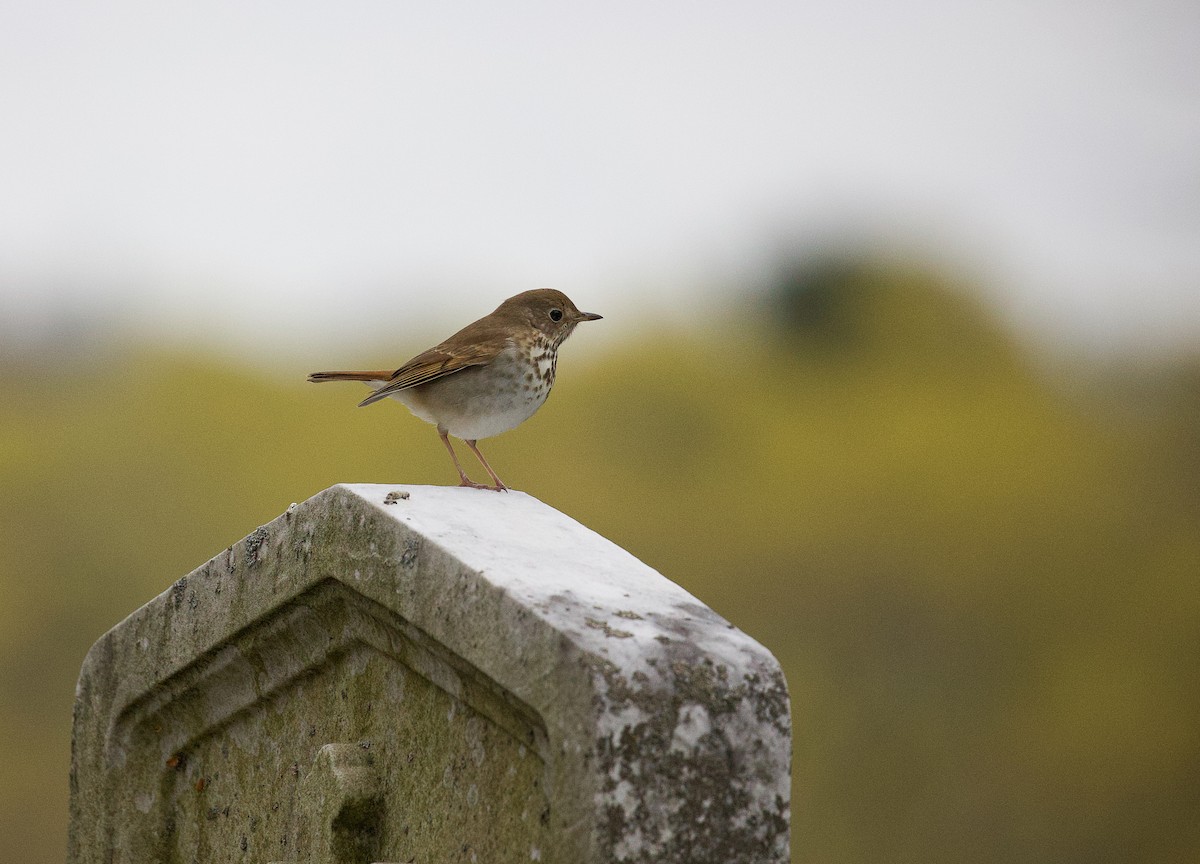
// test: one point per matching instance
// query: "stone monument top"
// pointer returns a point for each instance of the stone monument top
(429, 674)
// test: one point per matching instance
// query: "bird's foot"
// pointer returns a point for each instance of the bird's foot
(471, 484)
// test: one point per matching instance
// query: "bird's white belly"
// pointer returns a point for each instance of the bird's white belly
(480, 401)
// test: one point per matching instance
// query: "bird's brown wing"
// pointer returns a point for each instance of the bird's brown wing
(445, 359)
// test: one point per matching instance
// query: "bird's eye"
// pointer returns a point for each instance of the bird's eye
(555, 314)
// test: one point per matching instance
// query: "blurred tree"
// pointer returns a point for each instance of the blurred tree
(840, 305)
(817, 296)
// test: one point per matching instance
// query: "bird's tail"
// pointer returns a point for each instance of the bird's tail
(378, 375)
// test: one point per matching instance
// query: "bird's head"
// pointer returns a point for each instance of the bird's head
(547, 310)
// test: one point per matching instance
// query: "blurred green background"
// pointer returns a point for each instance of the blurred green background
(976, 560)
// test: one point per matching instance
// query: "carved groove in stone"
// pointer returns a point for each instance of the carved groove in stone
(313, 649)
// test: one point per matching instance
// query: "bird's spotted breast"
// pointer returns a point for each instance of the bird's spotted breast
(484, 401)
(545, 361)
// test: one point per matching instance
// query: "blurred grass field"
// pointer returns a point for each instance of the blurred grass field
(980, 568)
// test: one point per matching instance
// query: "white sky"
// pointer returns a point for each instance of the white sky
(280, 171)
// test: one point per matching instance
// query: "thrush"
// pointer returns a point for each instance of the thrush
(487, 378)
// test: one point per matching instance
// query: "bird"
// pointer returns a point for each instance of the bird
(488, 378)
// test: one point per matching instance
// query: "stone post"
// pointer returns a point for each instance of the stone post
(428, 674)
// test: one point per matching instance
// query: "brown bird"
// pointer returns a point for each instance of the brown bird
(487, 378)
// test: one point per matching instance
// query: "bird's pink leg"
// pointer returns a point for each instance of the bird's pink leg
(466, 481)
(499, 487)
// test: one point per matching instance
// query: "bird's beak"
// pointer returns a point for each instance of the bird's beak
(589, 316)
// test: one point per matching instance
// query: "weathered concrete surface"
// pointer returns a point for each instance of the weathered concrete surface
(457, 675)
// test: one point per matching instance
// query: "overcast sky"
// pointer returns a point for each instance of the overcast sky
(276, 171)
